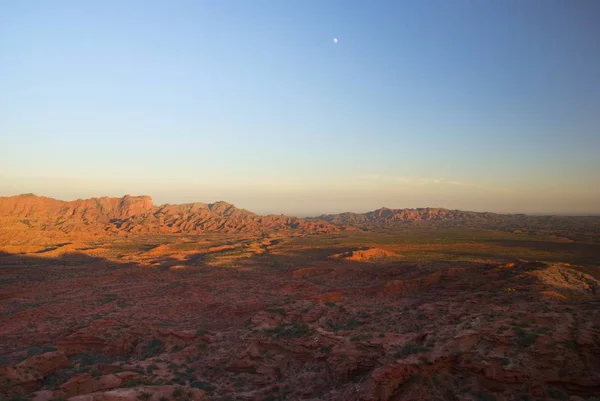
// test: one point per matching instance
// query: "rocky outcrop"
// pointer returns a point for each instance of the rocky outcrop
(137, 214)
(107, 337)
(565, 227)
(384, 380)
(146, 393)
(19, 380)
(366, 254)
(172, 338)
(27, 376)
(86, 383)
(46, 363)
(347, 362)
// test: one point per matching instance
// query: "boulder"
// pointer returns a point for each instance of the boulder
(47, 363)
(19, 380)
(386, 379)
(85, 383)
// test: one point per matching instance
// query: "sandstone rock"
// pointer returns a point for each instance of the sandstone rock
(347, 362)
(465, 340)
(309, 272)
(588, 337)
(147, 393)
(19, 379)
(47, 363)
(386, 379)
(332, 296)
(85, 383)
(43, 395)
(499, 374)
(108, 337)
(366, 254)
(172, 338)
(241, 365)
(108, 369)
(137, 214)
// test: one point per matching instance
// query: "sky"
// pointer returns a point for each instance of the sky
(469, 104)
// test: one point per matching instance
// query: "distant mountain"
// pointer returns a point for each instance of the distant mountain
(22, 214)
(137, 214)
(572, 227)
(385, 216)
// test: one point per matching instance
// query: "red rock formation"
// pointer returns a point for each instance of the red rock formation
(102, 337)
(19, 380)
(86, 383)
(366, 254)
(47, 363)
(148, 393)
(137, 214)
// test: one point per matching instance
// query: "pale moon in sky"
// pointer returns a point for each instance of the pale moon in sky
(335, 40)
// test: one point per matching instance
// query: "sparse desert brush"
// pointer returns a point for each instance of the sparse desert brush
(202, 385)
(360, 337)
(293, 330)
(525, 338)
(143, 396)
(410, 349)
(153, 348)
(180, 395)
(348, 325)
(279, 311)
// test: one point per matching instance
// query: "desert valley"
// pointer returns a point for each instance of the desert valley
(109, 299)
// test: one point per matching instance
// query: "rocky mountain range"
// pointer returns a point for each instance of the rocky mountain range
(571, 227)
(138, 214)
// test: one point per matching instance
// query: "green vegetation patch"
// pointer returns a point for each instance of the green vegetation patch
(410, 349)
(153, 348)
(525, 338)
(292, 330)
(349, 325)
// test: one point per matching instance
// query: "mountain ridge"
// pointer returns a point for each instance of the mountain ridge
(138, 214)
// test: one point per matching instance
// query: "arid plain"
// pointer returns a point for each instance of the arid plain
(119, 299)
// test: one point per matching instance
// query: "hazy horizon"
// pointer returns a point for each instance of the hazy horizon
(463, 105)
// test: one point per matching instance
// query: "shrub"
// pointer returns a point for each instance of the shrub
(34, 351)
(144, 396)
(202, 385)
(525, 338)
(293, 330)
(279, 311)
(410, 349)
(153, 348)
(108, 298)
(349, 325)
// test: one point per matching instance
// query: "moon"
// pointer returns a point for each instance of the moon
(335, 40)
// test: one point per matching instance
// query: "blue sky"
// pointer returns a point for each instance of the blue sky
(475, 105)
